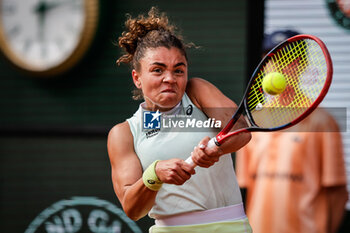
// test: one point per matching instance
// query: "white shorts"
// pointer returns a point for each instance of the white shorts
(230, 219)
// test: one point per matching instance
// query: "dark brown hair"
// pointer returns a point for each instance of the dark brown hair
(142, 33)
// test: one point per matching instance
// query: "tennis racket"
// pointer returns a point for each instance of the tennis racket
(307, 67)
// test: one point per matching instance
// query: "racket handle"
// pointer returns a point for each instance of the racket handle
(210, 144)
(190, 161)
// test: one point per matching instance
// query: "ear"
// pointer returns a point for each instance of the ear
(136, 78)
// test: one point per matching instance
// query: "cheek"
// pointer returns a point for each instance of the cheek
(183, 83)
(151, 85)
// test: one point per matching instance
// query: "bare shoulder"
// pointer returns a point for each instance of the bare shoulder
(119, 131)
(197, 81)
(120, 139)
(206, 95)
(197, 85)
(194, 87)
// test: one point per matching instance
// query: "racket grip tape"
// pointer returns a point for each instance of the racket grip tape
(211, 144)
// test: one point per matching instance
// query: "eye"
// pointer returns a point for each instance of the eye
(179, 71)
(157, 70)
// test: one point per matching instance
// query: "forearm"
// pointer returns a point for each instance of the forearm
(206, 156)
(137, 200)
(235, 142)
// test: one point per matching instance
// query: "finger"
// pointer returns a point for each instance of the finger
(205, 163)
(180, 177)
(188, 168)
(203, 143)
(202, 159)
(173, 178)
(183, 174)
(211, 151)
(205, 156)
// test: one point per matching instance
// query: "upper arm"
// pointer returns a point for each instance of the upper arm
(216, 105)
(212, 101)
(126, 167)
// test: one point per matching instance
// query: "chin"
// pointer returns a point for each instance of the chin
(169, 103)
(171, 98)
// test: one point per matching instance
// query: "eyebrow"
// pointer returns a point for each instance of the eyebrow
(163, 65)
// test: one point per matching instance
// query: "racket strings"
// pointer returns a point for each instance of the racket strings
(304, 67)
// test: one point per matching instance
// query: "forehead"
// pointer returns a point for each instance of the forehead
(168, 56)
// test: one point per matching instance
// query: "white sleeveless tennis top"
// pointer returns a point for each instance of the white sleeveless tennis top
(209, 188)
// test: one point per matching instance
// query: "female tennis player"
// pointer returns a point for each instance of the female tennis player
(149, 173)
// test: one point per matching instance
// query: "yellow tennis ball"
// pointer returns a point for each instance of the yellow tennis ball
(274, 83)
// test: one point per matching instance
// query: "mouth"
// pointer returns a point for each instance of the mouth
(168, 91)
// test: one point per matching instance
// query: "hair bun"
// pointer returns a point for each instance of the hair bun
(138, 28)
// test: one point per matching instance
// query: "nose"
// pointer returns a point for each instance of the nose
(169, 78)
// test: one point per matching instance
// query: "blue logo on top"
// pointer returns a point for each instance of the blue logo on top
(151, 120)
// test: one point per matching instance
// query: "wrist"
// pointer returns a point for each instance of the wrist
(150, 178)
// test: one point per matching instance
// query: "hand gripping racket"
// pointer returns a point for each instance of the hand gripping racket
(307, 68)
